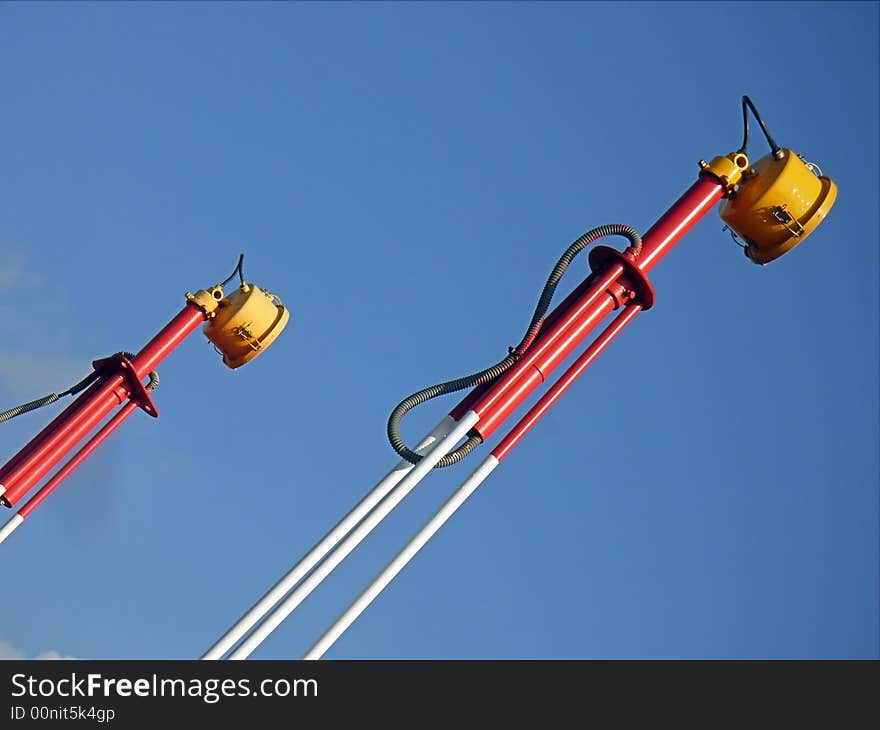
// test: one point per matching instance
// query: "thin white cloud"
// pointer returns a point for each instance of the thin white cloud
(7, 651)
(52, 654)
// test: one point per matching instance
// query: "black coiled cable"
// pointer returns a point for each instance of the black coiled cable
(514, 353)
(49, 399)
(73, 390)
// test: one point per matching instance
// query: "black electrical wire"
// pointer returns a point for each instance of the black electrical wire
(49, 399)
(746, 105)
(236, 270)
(514, 353)
(73, 390)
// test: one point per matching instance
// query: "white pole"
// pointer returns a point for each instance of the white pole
(342, 528)
(10, 526)
(287, 606)
(418, 541)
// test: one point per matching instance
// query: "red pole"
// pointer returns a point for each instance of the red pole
(549, 321)
(18, 518)
(577, 310)
(509, 391)
(678, 220)
(55, 441)
(577, 316)
(41, 437)
(78, 458)
(168, 338)
(560, 386)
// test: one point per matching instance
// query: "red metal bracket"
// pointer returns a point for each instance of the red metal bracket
(601, 256)
(120, 364)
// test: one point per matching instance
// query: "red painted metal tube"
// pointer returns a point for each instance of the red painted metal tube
(560, 386)
(158, 348)
(554, 343)
(579, 312)
(170, 336)
(78, 458)
(500, 401)
(678, 220)
(55, 442)
(41, 437)
(41, 461)
(464, 405)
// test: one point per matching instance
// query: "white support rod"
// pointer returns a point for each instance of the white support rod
(327, 543)
(418, 541)
(11, 526)
(382, 510)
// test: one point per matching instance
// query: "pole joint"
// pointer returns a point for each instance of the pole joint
(119, 364)
(602, 256)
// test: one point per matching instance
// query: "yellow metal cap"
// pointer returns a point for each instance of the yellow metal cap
(245, 323)
(778, 203)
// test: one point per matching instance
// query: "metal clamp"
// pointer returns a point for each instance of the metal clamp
(120, 365)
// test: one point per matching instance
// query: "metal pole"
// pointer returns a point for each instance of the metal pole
(554, 344)
(402, 558)
(469, 486)
(55, 441)
(327, 543)
(287, 606)
(494, 403)
(564, 329)
(683, 215)
(579, 311)
(65, 471)
(571, 322)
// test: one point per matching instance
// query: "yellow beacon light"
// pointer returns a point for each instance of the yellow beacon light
(244, 323)
(778, 201)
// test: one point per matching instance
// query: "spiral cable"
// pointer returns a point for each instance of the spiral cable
(73, 390)
(514, 353)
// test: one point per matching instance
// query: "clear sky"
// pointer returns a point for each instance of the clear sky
(404, 176)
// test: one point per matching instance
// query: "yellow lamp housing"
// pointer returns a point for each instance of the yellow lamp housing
(777, 204)
(243, 324)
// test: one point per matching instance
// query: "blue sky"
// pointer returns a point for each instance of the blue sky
(404, 176)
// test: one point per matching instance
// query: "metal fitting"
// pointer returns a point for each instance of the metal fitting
(728, 169)
(208, 300)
